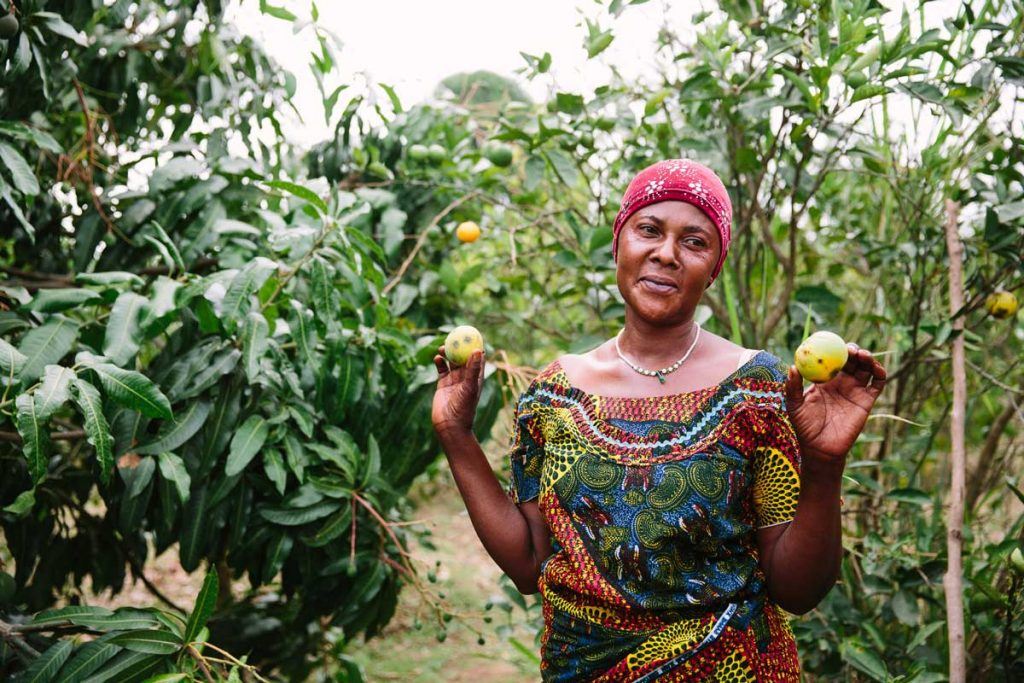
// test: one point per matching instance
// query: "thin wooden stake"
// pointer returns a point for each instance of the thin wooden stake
(953, 581)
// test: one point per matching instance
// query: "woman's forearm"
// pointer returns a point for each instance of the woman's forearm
(501, 527)
(805, 559)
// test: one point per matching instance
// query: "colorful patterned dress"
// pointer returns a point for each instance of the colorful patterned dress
(652, 505)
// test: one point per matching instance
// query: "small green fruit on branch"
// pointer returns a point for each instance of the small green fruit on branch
(9, 26)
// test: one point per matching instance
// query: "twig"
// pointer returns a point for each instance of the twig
(194, 653)
(69, 435)
(87, 175)
(150, 586)
(954, 577)
(10, 635)
(421, 240)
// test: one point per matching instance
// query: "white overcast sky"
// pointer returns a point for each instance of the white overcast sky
(413, 44)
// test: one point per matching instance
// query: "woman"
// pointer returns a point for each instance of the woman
(671, 492)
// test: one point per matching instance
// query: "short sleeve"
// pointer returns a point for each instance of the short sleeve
(526, 452)
(776, 465)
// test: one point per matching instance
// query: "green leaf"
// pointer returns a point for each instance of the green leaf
(128, 666)
(22, 177)
(273, 465)
(11, 360)
(276, 12)
(108, 279)
(8, 197)
(277, 552)
(53, 393)
(867, 91)
(245, 283)
(302, 193)
(372, 461)
(97, 432)
(569, 103)
(206, 601)
(174, 433)
(25, 501)
(44, 669)
(303, 332)
(88, 658)
(299, 516)
(56, 24)
(396, 103)
(246, 443)
(35, 438)
(864, 660)
(56, 616)
(137, 478)
(133, 389)
(39, 138)
(910, 495)
(597, 40)
(46, 345)
(121, 340)
(331, 529)
(172, 468)
(255, 336)
(149, 641)
(296, 456)
(195, 530)
(61, 299)
(210, 373)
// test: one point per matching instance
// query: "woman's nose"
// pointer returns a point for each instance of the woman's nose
(665, 252)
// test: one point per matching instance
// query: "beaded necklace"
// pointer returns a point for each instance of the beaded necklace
(660, 374)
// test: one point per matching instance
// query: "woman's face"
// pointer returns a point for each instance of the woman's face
(672, 242)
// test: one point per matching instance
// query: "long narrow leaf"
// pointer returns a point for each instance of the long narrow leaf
(205, 603)
(97, 432)
(34, 437)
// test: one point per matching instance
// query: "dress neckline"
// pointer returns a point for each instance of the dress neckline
(602, 398)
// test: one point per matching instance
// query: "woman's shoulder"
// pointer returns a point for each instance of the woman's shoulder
(765, 365)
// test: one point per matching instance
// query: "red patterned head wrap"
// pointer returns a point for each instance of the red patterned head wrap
(683, 180)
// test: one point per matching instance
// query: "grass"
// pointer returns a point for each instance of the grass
(468, 579)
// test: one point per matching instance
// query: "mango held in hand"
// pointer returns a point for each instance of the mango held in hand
(461, 343)
(821, 356)
(1001, 304)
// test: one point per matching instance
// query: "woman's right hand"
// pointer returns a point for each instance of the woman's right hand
(457, 393)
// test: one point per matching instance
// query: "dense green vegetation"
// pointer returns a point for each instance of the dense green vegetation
(216, 343)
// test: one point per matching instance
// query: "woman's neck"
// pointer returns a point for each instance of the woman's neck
(655, 347)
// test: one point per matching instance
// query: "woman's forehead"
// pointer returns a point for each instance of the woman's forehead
(674, 211)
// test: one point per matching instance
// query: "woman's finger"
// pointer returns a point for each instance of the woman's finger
(860, 365)
(794, 389)
(442, 367)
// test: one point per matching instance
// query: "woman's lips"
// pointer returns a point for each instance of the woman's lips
(657, 288)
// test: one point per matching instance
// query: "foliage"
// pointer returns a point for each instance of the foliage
(286, 323)
(212, 358)
(127, 644)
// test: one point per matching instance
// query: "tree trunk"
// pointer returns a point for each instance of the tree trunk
(953, 581)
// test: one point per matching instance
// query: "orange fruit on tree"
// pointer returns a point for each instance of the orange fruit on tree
(468, 231)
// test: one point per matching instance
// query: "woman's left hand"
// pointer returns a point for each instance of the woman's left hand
(829, 417)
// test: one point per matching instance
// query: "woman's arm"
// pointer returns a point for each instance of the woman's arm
(515, 536)
(801, 559)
